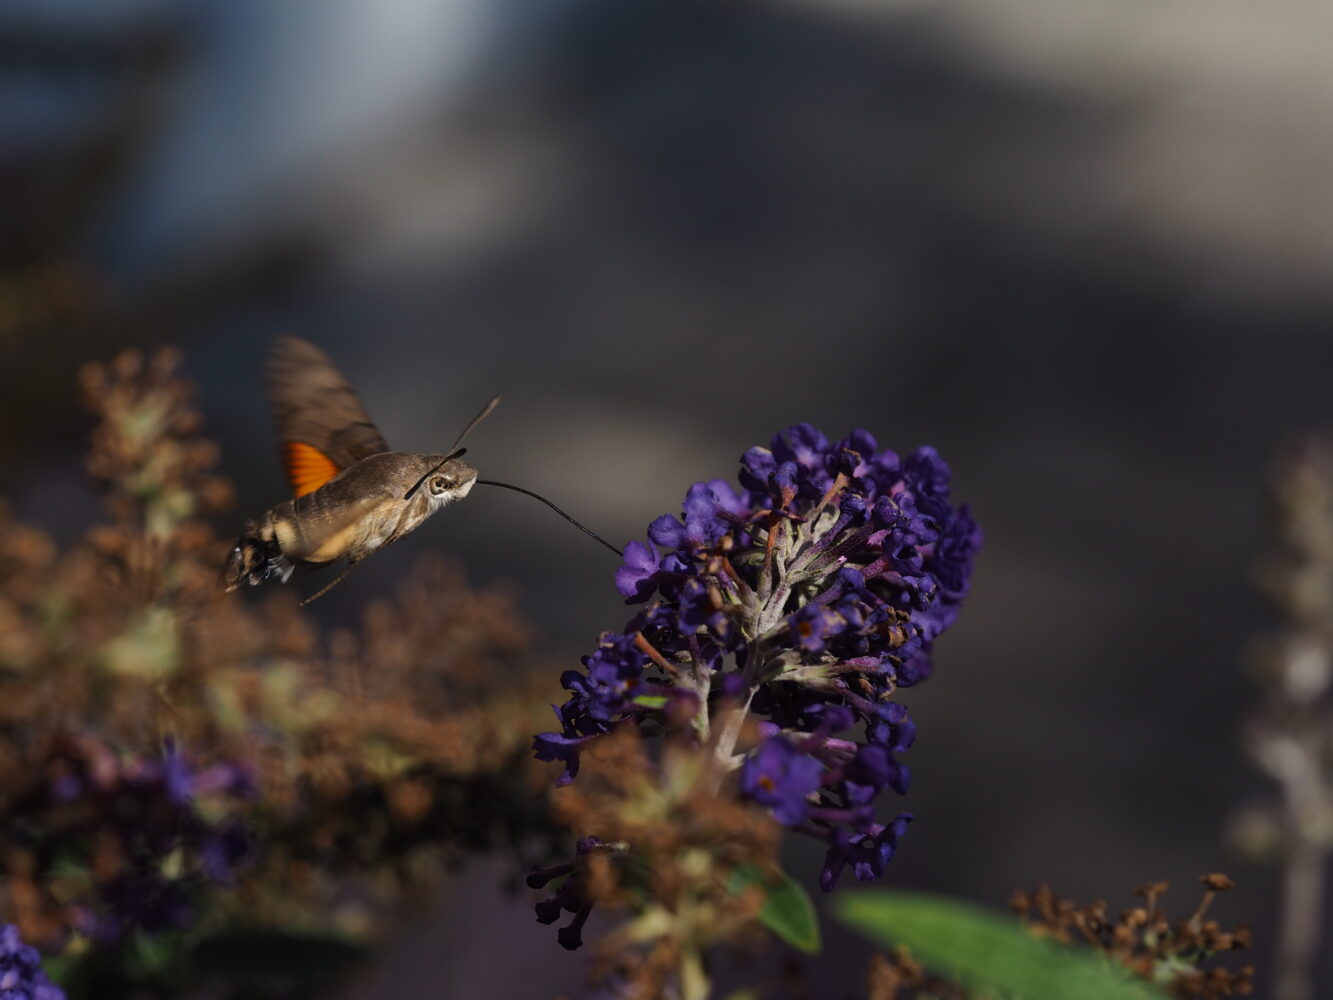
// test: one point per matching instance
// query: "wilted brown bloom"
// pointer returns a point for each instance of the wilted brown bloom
(899, 975)
(1146, 941)
(1143, 939)
(678, 881)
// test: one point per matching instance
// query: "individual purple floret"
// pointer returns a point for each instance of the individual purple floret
(21, 975)
(779, 776)
(569, 895)
(806, 599)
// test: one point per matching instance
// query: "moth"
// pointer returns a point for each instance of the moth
(352, 495)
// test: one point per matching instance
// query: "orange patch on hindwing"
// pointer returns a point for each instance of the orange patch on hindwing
(307, 467)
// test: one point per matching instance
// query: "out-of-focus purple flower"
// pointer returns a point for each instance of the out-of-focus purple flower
(809, 596)
(145, 898)
(21, 975)
(224, 851)
(148, 808)
(779, 776)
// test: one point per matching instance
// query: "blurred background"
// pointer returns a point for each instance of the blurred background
(1082, 247)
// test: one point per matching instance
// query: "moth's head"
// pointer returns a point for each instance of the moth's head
(447, 477)
(451, 479)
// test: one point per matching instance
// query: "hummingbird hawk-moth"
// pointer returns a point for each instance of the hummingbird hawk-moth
(352, 495)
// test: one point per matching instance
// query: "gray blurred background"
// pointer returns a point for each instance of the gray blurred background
(1083, 247)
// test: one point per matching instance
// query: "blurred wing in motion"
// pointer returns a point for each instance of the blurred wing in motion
(321, 423)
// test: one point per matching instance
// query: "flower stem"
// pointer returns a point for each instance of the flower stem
(729, 734)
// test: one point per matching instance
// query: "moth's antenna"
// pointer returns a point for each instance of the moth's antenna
(456, 451)
(481, 415)
(537, 496)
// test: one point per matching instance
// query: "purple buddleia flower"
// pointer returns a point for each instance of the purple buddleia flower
(810, 596)
(21, 975)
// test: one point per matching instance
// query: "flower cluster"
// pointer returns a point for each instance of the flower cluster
(805, 599)
(136, 823)
(21, 975)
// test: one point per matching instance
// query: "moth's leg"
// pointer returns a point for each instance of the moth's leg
(351, 565)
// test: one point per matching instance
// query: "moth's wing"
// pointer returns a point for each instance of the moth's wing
(322, 426)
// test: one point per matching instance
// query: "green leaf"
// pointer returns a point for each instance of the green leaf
(651, 700)
(787, 910)
(986, 952)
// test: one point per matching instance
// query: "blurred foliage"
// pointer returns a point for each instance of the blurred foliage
(376, 753)
(1290, 734)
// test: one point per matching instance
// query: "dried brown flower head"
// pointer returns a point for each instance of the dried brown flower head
(900, 976)
(1146, 941)
(688, 842)
(1143, 939)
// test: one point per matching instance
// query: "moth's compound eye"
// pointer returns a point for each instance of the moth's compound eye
(438, 484)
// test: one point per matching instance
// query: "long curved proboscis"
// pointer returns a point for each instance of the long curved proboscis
(537, 496)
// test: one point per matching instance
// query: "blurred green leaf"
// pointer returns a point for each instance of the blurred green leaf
(986, 952)
(787, 910)
(651, 700)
